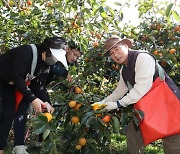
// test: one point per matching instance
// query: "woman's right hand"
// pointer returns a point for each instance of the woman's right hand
(37, 104)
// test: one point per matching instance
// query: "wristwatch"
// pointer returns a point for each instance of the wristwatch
(118, 104)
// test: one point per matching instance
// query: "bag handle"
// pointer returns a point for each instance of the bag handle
(161, 72)
(34, 60)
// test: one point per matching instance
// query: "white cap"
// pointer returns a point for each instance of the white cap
(60, 55)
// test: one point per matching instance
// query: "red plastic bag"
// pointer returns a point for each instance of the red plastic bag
(19, 96)
(161, 110)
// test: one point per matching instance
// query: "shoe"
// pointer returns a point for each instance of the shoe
(20, 149)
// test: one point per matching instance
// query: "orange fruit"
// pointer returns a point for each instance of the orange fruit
(106, 119)
(78, 90)
(176, 28)
(48, 4)
(29, 2)
(72, 104)
(155, 52)
(75, 120)
(98, 36)
(92, 33)
(74, 24)
(172, 51)
(95, 44)
(76, 108)
(82, 141)
(160, 54)
(48, 116)
(78, 147)
(95, 107)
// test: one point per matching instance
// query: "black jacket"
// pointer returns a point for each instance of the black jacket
(15, 64)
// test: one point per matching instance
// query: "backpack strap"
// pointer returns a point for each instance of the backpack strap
(34, 60)
(161, 71)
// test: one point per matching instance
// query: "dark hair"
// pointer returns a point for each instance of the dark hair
(54, 42)
(73, 45)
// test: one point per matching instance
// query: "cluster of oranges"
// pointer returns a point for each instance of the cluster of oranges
(106, 118)
(81, 142)
(75, 106)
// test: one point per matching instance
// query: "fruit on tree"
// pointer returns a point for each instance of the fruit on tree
(78, 90)
(106, 119)
(48, 116)
(76, 108)
(172, 51)
(78, 147)
(98, 35)
(95, 44)
(29, 2)
(75, 120)
(72, 104)
(82, 141)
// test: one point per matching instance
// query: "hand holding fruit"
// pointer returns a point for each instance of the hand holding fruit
(111, 106)
(108, 105)
(49, 108)
(37, 104)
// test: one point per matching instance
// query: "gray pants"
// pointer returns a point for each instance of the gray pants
(136, 146)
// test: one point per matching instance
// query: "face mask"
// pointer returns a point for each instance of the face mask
(50, 60)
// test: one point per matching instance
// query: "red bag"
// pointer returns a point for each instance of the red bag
(161, 110)
(19, 96)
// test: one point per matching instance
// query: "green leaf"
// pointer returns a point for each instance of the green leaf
(86, 117)
(116, 124)
(168, 10)
(39, 128)
(47, 145)
(89, 121)
(117, 3)
(103, 14)
(176, 16)
(46, 133)
(1, 3)
(51, 126)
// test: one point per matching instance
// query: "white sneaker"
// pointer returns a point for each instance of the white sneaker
(20, 149)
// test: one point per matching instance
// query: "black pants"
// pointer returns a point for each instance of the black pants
(7, 107)
(20, 119)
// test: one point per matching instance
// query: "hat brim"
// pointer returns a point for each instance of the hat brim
(125, 41)
(60, 55)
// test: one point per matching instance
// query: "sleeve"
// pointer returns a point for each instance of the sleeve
(58, 70)
(119, 92)
(38, 87)
(55, 71)
(21, 66)
(144, 72)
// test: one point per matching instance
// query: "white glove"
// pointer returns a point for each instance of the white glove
(112, 105)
